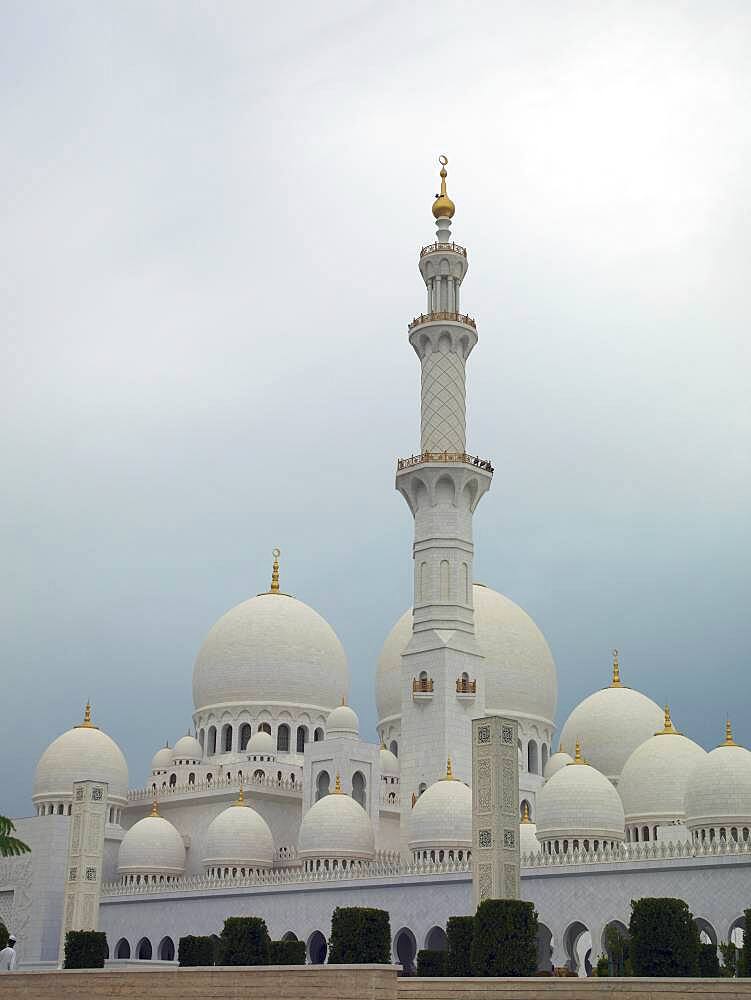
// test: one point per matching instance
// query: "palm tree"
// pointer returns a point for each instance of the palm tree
(10, 846)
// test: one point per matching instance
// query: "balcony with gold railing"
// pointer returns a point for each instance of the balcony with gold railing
(453, 317)
(422, 687)
(443, 248)
(450, 457)
(465, 686)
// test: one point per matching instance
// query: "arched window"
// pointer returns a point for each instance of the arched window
(172, 780)
(394, 748)
(358, 789)
(244, 735)
(209, 778)
(227, 738)
(166, 950)
(212, 740)
(444, 570)
(525, 805)
(544, 761)
(421, 788)
(323, 782)
(302, 738)
(645, 833)
(265, 727)
(191, 778)
(259, 775)
(532, 765)
(282, 738)
(122, 949)
(202, 739)
(144, 950)
(318, 735)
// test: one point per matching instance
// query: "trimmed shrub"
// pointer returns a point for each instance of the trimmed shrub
(85, 950)
(459, 931)
(603, 966)
(709, 963)
(431, 962)
(245, 941)
(287, 953)
(4, 935)
(664, 938)
(360, 935)
(504, 942)
(729, 959)
(194, 950)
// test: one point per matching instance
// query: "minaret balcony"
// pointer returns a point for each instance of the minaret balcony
(443, 316)
(422, 688)
(443, 248)
(465, 688)
(447, 457)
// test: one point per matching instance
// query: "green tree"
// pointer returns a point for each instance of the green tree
(10, 846)
(664, 938)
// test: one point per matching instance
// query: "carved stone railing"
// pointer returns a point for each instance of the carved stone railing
(464, 686)
(655, 850)
(386, 865)
(217, 784)
(422, 685)
(391, 799)
(433, 317)
(443, 247)
(449, 457)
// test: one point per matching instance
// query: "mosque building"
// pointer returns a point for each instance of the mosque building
(274, 804)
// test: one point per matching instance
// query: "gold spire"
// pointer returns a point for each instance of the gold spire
(87, 723)
(729, 741)
(443, 206)
(338, 785)
(240, 798)
(616, 681)
(155, 808)
(449, 771)
(344, 700)
(578, 759)
(525, 813)
(668, 728)
(275, 572)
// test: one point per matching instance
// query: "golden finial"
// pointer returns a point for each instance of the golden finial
(155, 808)
(87, 723)
(668, 728)
(729, 741)
(525, 813)
(616, 681)
(338, 785)
(275, 572)
(241, 797)
(578, 759)
(449, 771)
(443, 206)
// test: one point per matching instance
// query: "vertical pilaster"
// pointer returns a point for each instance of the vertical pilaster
(83, 871)
(496, 861)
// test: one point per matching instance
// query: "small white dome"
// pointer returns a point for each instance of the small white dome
(162, 759)
(610, 724)
(389, 762)
(152, 846)
(528, 842)
(520, 674)
(579, 802)
(271, 649)
(261, 744)
(342, 723)
(654, 778)
(336, 827)
(718, 793)
(187, 748)
(83, 753)
(240, 837)
(442, 817)
(555, 762)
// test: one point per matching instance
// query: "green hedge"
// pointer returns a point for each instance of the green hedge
(287, 953)
(431, 962)
(85, 950)
(664, 938)
(193, 950)
(459, 931)
(504, 942)
(709, 963)
(245, 941)
(4, 935)
(359, 935)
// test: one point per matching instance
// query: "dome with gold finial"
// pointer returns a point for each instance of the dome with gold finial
(162, 760)
(443, 206)
(343, 723)
(611, 724)
(238, 840)
(336, 829)
(271, 649)
(82, 753)
(440, 825)
(151, 849)
(555, 762)
(718, 793)
(528, 842)
(655, 776)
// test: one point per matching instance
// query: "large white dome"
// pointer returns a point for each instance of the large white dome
(520, 674)
(239, 837)
(610, 724)
(578, 802)
(654, 778)
(336, 827)
(83, 753)
(152, 846)
(718, 793)
(342, 723)
(442, 817)
(556, 762)
(162, 759)
(271, 649)
(187, 750)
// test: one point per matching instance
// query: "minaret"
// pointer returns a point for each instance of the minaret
(442, 677)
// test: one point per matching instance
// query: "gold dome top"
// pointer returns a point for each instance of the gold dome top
(443, 206)
(87, 723)
(668, 728)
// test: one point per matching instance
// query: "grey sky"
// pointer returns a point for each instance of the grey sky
(212, 219)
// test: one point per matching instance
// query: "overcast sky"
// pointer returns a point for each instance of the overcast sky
(212, 217)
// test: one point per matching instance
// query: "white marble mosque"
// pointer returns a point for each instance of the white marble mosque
(273, 803)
